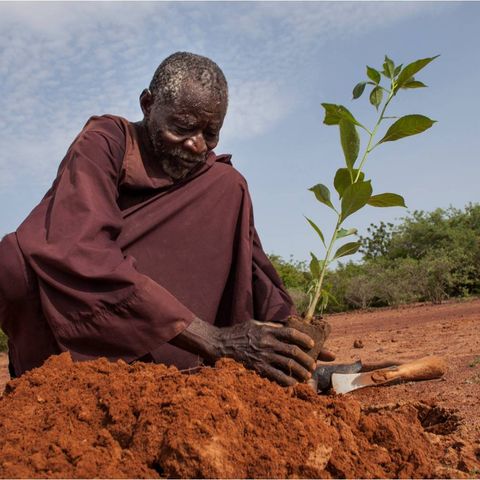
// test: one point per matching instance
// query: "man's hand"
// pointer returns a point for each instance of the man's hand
(273, 350)
(326, 355)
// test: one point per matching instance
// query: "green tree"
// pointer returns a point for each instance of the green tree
(445, 242)
(377, 242)
(296, 278)
(293, 273)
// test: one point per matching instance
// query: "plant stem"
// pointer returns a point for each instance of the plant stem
(318, 288)
(372, 135)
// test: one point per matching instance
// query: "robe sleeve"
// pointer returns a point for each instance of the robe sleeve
(93, 297)
(270, 298)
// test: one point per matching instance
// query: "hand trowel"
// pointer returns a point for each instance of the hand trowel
(426, 368)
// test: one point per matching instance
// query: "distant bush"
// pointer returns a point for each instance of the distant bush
(377, 283)
(446, 242)
(294, 274)
(300, 299)
(360, 291)
(296, 278)
(428, 257)
(347, 285)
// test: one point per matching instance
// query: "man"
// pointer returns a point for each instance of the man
(144, 248)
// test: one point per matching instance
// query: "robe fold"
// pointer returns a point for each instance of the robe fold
(116, 259)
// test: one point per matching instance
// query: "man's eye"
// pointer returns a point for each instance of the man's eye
(211, 135)
(184, 129)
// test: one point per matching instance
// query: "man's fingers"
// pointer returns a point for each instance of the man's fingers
(278, 376)
(326, 355)
(290, 367)
(278, 324)
(291, 335)
(296, 353)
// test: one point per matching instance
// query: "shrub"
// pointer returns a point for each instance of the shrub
(293, 273)
(429, 257)
(300, 299)
(360, 291)
(438, 277)
(399, 282)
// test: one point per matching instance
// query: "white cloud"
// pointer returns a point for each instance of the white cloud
(253, 106)
(63, 62)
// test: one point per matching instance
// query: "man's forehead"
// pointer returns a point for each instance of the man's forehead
(193, 97)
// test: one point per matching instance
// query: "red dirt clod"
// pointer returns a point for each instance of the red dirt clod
(358, 344)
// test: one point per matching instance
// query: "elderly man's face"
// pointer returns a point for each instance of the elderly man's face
(182, 132)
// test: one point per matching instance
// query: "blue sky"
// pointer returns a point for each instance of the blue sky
(60, 63)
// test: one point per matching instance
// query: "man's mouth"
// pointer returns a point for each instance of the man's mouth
(181, 156)
(178, 164)
(185, 157)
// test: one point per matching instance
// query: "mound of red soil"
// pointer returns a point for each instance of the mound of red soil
(101, 419)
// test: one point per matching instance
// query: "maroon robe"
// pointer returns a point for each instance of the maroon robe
(116, 260)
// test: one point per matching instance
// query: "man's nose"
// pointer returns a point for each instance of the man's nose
(196, 144)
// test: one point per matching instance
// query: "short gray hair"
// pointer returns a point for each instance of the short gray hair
(180, 67)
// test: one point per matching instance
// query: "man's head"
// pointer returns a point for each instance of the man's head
(183, 111)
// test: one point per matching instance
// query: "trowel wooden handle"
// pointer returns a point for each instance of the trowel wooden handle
(368, 366)
(425, 368)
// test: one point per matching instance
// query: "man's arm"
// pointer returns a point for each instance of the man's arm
(95, 300)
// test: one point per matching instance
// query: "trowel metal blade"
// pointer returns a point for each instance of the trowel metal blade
(323, 373)
(347, 382)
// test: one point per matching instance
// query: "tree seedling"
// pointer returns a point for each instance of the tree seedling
(353, 189)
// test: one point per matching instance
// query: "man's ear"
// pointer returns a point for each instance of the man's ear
(146, 101)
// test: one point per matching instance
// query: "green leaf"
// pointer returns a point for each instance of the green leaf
(397, 70)
(373, 75)
(335, 113)
(355, 197)
(350, 142)
(343, 179)
(343, 232)
(411, 69)
(329, 296)
(319, 232)
(314, 266)
(413, 84)
(388, 68)
(322, 193)
(326, 296)
(387, 200)
(358, 90)
(347, 249)
(376, 96)
(406, 126)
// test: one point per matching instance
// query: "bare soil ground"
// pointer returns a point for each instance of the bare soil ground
(446, 444)
(450, 330)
